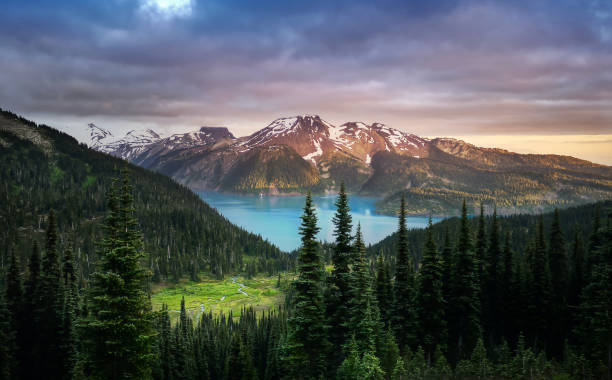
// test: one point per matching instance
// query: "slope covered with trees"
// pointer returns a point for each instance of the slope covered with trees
(44, 169)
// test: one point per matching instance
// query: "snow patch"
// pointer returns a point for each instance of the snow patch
(318, 151)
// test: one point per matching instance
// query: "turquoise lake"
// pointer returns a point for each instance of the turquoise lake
(277, 218)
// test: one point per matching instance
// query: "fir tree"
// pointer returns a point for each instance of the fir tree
(7, 339)
(384, 290)
(429, 302)
(539, 288)
(559, 272)
(464, 302)
(480, 248)
(363, 321)
(490, 290)
(117, 334)
(240, 363)
(50, 309)
(447, 271)
(14, 303)
(577, 271)
(506, 289)
(340, 292)
(69, 315)
(596, 307)
(403, 310)
(28, 350)
(307, 341)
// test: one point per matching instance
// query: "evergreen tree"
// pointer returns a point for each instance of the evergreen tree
(389, 354)
(577, 271)
(596, 308)
(559, 272)
(480, 248)
(164, 346)
(69, 315)
(447, 271)
(50, 309)
(429, 302)
(363, 322)
(539, 289)
(116, 336)
(240, 363)
(490, 286)
(7, 339)
(403, 309)
(340, 291)
(307, 341)
(464, 302)
(384, 290)
(28, 350)
(14, 303)
(506, 290)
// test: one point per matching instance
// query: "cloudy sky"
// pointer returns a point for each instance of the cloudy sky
(536, 73)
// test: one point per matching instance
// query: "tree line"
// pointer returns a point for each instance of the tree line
(471, 307)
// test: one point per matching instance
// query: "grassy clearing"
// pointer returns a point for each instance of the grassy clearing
(262, 293)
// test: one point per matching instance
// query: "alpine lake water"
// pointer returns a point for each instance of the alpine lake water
(277, 218)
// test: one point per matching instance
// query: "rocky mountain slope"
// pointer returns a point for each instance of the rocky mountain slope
(303, 152)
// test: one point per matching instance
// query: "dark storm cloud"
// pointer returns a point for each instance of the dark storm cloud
(440, 67)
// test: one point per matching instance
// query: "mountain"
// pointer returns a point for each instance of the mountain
(303, 152)
(132, 144)
(43, 169)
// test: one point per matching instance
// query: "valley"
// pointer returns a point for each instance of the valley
(232, 294)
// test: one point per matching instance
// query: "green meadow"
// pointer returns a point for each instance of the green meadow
(230, 294)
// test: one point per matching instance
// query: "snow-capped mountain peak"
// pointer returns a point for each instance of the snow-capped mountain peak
(98, 136)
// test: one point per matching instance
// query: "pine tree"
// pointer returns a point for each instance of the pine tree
(7, 337)
(481, 247)
(69, 315)
(559, 272)
(429, 303)
(539, 289)
(184, 359)
(117, 334)
(464, 302)
(403, 309)
(596, 307)
(384, 290)
(447, 271)
(389, 353)
(14, 303)
(490, 286)
(507, 291)
(363, 322)
(49, 311)
(342, 260)
(240, 363)
(28, 350)
(577, 273)
(307, 341)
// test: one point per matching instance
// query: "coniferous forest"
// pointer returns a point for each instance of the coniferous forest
(487, 297)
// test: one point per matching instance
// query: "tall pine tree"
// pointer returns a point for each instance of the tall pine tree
(307, 341)
(464, 302)
(340, 290)
(429, 299)
(117, 333)
(403, 309)
(559, 274)
(50, 309)
(384, 290)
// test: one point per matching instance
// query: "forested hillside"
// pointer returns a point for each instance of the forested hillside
(44, 169)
